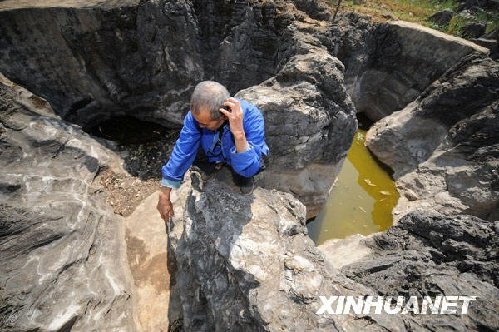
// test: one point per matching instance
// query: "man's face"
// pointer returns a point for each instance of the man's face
(204, 120)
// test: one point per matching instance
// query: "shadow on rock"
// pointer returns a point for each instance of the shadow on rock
(215, 215)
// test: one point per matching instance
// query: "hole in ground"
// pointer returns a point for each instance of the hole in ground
(127, 130)
(144, 147)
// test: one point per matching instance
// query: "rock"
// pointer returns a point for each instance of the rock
(136, 58)
(318, 10)
(147, 256)
(430, 254)
(63, 251)
(239, 265)
(476, 5)
(341, 252)
(142, 59)
(309, 124)
(442, 147)
(473, 30)
(442, 17)
(241, 262)
(245, 262)
(392, 64)
(491, 44)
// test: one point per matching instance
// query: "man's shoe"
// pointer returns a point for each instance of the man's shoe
(246, 185)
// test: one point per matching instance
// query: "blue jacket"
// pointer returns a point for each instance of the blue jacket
(219, 146)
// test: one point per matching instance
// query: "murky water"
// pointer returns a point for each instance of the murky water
(361, 200)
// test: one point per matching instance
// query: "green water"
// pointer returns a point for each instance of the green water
(361, 201)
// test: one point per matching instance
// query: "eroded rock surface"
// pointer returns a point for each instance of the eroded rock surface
(389, 65)
(239, 261)
(310, 121)
(143, 59)
(63, 252)
(443, 147)
(245, 262)
(431, 254)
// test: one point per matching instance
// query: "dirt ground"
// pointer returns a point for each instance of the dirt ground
(143, 162)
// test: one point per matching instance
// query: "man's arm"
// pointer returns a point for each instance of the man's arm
(248, 131)
(181, 158)
(183, 154)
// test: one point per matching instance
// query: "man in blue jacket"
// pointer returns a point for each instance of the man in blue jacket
(229, 130)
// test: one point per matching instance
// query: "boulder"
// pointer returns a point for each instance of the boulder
(428, 254)
(310, 121)
(442, 18)
(442, 147)
(473, 30)
(245, 262)
(63, 250)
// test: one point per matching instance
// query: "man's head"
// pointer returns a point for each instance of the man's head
(206, 100)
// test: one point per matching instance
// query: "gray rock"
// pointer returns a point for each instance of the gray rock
(491, 44)
(443, 146)
(62, 249)
(442, 17)
(310, 121)
(430, 254)
(389, 65)
(473, 30)
(136, 58)
(143, 60)
(245, 263)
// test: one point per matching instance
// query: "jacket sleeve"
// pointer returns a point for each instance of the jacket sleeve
(248, 163)
(183, 154)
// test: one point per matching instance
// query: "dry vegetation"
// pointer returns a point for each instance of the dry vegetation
(418, 11)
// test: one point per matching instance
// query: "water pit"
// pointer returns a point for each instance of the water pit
(361, 200)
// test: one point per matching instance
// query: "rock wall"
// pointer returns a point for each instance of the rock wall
(143, 59)
(62, 249)
(389, 65)
(245, 262)
(96, 60)
(428, 254)
(443, 146)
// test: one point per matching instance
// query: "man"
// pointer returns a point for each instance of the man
(229, 131)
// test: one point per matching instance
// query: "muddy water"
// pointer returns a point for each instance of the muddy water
(361, 200)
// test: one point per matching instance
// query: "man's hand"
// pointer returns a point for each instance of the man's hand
(165, 206)
(235, 117)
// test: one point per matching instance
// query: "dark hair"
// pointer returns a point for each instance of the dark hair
(211, 95)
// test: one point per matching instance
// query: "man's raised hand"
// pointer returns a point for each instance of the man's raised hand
(235, 116)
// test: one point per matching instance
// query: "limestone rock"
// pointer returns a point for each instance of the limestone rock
(63, 254)
(142, 59)
(309, 124)
(473, 30)
(443, 146)
(430, 254)
(390, 65)
(244, 262)
(442, 17)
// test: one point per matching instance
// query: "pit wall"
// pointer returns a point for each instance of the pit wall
(143, 60)
(395, 62)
